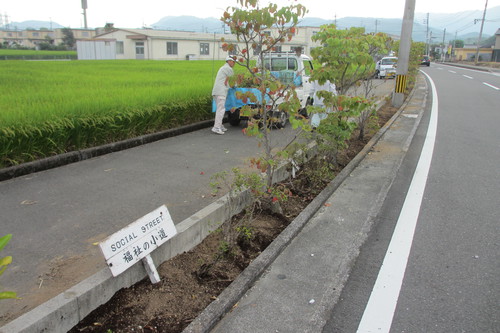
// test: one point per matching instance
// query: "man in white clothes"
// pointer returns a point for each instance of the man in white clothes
(219, 92)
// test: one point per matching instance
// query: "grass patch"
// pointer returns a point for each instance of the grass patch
(53, 107)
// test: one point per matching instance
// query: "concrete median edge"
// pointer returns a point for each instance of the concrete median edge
(232, 294)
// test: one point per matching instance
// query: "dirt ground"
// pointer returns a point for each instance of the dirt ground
(190, 281)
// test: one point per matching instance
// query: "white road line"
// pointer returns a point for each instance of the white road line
(452, 72)
(467, 76)
(491, 86)
(380, 309)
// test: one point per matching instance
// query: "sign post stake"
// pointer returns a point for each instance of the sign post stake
(150, 267)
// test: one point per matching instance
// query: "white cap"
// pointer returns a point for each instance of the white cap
(230, 58)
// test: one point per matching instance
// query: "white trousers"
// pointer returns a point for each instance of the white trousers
(318, 117)
(220, 102)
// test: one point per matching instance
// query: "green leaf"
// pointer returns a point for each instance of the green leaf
(8, 294)
(5, 261)
(4, 241)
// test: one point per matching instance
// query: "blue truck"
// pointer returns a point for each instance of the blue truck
(291, 69)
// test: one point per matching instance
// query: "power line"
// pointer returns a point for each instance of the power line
(454, 20)
(468, 25)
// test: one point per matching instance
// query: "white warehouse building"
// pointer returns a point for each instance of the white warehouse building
(172, 45)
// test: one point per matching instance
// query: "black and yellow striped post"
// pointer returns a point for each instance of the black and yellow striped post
(401, 83)
(398, 97)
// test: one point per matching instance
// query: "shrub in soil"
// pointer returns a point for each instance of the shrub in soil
(192, 280)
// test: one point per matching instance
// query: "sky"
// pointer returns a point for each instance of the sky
(139, 13)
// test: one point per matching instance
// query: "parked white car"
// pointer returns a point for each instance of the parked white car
(386, 68)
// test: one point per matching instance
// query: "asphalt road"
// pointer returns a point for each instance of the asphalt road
(451, 282)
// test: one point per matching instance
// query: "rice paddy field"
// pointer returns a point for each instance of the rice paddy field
(13, 54)
(51, 107)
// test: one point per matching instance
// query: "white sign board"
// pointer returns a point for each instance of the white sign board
(134, 242)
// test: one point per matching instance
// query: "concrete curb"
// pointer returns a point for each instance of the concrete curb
(67, 309)
(236, 290)
(64, 311)
(84, 154)
(479, 68)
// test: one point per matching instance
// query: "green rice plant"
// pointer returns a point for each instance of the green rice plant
(50, 107)
(13, 54)
(38, 91)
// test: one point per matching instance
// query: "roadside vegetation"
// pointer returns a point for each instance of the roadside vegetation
(251, 23)
(347, 59)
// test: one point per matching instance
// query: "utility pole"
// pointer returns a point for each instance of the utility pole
(6, 21)
(442, 50)
(476, 60)
(84, 7)
(427, 36)
(454, 46)
(430, 44)
(404, 54)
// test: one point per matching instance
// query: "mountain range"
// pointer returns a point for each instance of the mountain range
(463, 25)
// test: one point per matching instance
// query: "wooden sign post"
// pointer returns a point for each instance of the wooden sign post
(136, 241)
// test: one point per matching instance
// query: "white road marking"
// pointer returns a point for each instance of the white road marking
(469, 77)
(452, 72)
(380, 309)
(491, 86)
